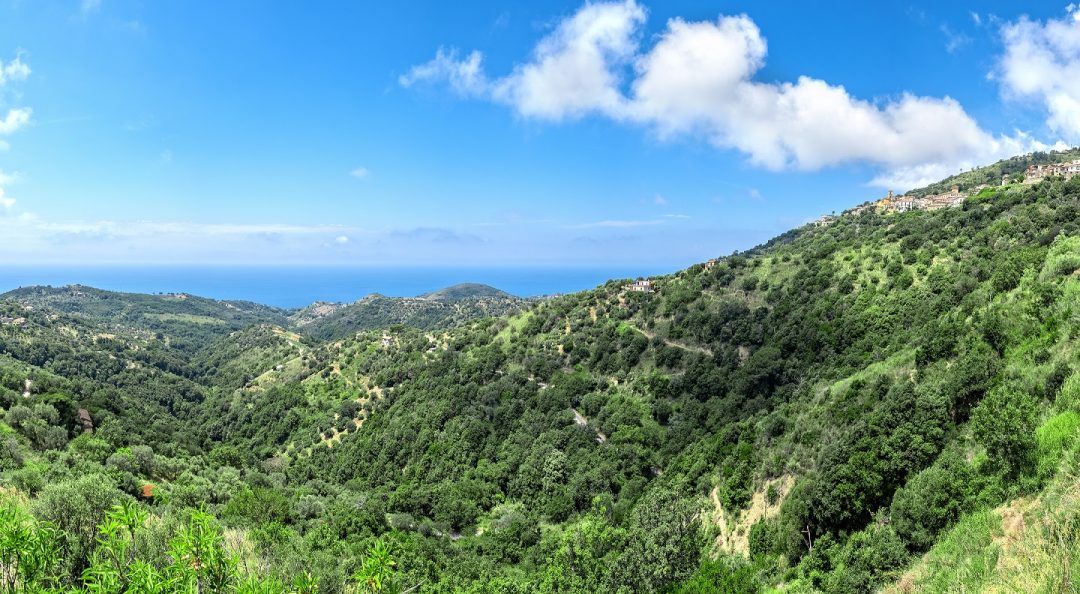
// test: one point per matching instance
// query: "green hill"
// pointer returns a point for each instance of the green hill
(466, 291)
(184, 318)
(889, 402)
(445, 308)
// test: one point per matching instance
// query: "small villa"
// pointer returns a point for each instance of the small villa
(642, 286)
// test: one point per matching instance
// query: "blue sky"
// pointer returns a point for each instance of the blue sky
(498, 133)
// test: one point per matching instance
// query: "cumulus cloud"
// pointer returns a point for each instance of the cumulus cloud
(698, 80)
(572, 71)
(1041, 62)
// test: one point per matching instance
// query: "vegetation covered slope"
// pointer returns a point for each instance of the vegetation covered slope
(465, 291)
(446, 308)
(1012, 168)
(866, 405)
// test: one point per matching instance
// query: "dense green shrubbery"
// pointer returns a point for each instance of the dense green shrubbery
(905, 372)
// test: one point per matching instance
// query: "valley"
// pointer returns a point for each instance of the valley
(890, 402)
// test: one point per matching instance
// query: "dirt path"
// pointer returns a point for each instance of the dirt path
(581, 420)
(675, 344)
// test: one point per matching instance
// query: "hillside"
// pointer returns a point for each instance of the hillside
(187, 319)
(891, 401)
(466, 291)
(991, 175)
(448, 307)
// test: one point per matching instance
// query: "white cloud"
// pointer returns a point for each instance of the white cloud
(697, 80)
(6, 202)
(14, 70)
(659, 200)
(573, 70)
(15, 119)
(465, 77)
(1042, 63)
(341, 239)
(360, 172)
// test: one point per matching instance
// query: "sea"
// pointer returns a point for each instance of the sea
(298, 286)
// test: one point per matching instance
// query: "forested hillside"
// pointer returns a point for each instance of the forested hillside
(451, 306)
(889, 402)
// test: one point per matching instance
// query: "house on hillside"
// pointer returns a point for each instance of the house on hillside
(642, 286)
(1036, 173)
(902, 204)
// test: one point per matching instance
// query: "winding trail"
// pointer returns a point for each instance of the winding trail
(675, 344)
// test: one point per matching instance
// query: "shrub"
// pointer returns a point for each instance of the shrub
(931, 501)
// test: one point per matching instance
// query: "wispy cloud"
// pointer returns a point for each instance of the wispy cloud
(15, 70)
(618, 224)
(436, 235)
(360, 172)
(89, 6)
(954, 40)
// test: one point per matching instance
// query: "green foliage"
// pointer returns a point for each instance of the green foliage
(1055, 438)
(29, 550)
(932, 501)
(1004, 423)
(724, 576)
(892, 370)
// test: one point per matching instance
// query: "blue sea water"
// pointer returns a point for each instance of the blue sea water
(294, 286)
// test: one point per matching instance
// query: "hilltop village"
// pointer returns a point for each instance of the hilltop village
(955, 197)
